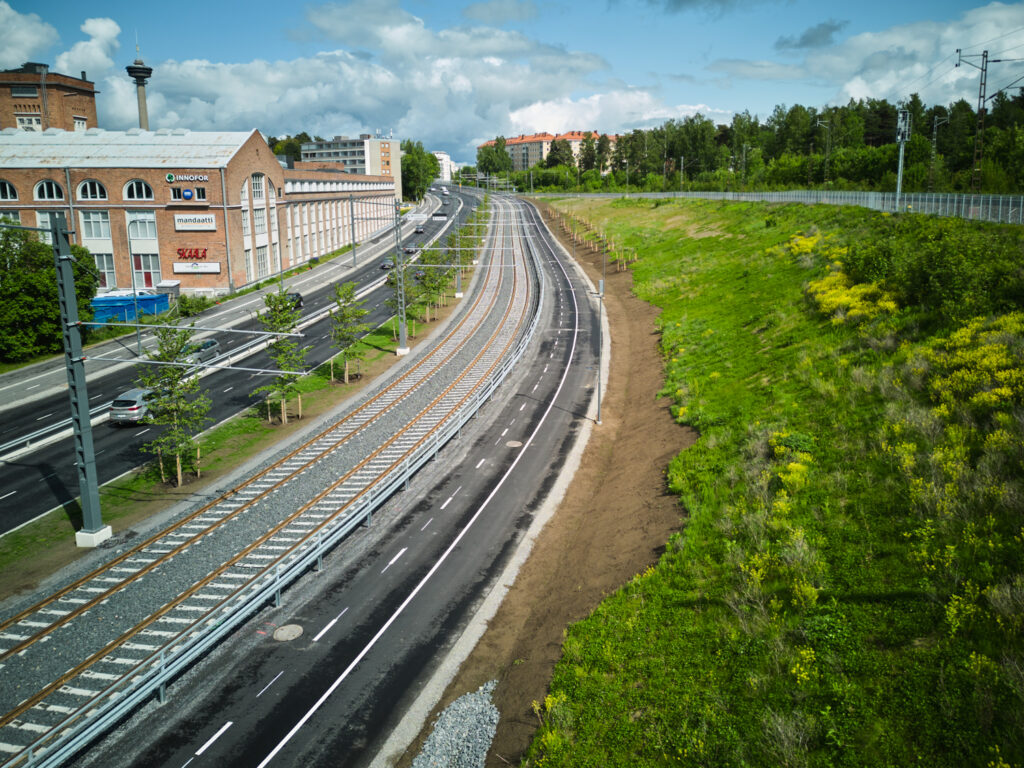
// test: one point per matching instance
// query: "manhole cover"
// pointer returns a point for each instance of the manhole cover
(513, 444)
(287, 632)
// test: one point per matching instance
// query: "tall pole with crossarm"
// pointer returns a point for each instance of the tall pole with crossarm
(93, 531)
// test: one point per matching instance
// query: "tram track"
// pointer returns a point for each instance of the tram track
(228, 581)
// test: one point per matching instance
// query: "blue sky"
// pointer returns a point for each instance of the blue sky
(455, 74)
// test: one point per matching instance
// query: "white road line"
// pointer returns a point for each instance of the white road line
(534, 387)
(393, 559)
(456, 491)
(229, 389)
(522, 406)
(213, 738)
(12, 493)
(272, 681)
(422, 583)
(430, 520)
(144, 431)
(447, 502)
(504, 432)
(45, 416)
(34, 386)
(545, 369)
(94, 397)
(512, 422)
(188, 761)
(47, 477)
(479, 463)
(330, 624)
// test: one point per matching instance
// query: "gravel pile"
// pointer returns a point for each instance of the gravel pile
(463, 732)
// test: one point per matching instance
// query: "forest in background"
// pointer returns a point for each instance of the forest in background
(849, 147)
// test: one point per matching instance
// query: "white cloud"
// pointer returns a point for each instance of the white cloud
(94, 54)
(23, 37)
(613, 112)
(895, 62)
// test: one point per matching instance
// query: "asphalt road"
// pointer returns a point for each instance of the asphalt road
(391, 600)
(37, 481)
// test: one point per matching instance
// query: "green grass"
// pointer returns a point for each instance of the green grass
(819, 607)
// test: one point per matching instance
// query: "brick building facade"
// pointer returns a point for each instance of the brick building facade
(34, 99)
(215, 211)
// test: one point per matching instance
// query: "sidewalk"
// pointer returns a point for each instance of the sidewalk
(49, 377)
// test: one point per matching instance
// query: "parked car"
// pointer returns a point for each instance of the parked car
(410, 249)
(201, 351)
(130, 407)
(387, 264)
(296, 299)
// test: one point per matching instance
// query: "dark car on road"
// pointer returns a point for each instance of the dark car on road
(296, 299)
(419, 230)
(387, 264)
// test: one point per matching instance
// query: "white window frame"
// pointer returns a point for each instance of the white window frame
(176, 194)
(259, 224)
(32, 122)
(140, 262)
(90, 189)
(142, 220)
(44, 220)
(262, 263)
(48, 190)
(257, 186)
(137, 189)
(105, 266)
(7, 191)
(95, 225)
(80, 123)
(201, 193)
(245, 222)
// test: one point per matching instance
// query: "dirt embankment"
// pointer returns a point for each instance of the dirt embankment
(613, 522)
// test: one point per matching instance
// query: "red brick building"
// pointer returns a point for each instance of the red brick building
(215, 211)
(33, 99)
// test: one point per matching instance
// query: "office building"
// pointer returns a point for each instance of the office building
(32, 98)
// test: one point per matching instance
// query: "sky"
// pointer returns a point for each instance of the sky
(455, 74)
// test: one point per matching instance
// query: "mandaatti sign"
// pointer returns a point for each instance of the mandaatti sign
(195, 222)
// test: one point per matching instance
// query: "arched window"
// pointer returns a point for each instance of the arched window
(244, 195)
(49, 190)
(137, 189)
(91, 190)
(7, 191)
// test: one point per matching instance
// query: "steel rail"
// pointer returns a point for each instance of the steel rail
(135, 551)
(316, 532)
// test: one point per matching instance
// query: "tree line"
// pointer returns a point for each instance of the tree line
(842, 147)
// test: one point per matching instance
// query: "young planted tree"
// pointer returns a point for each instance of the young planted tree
(282, 316)
(177, 403)
(346, 324)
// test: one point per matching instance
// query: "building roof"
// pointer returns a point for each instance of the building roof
(96, 148)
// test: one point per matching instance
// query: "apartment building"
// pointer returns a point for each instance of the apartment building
(32, 98)
(367, 155)
(527, 151)
(445, 161)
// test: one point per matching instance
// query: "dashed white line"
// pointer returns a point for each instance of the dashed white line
(430, 520)
(143, 431)
(46, 477)
(272, 681)
(13, 492)
(479, 463)
(393, 559)
(44, 416)
(213, 738)
(446, 502)
(333, 621)
(545, 369)
(522, 406)
(229, 389)
(34, 386)
(535, 387)
(505, 432)
(96, 397)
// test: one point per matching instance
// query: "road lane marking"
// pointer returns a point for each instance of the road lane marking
(274, 680)
(45, 416)
(479, 463)
(534, 387)
(95, 397)
(431, 520)
(13, 492)
(47, 477)
(393, 559)
(522, 406)
(34, 386)
(504, 432)
(229, 389)
(447, 502)
(213, 738)
(144, 431)
(545, 369)
(332, 622)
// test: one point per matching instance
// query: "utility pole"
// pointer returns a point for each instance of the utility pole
(902, 134)
(979, 132)
(403, 336)
(352, 225)
(93, 530)
(936, 122)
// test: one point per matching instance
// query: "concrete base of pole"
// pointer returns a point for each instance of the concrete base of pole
(402, 351)
(458, 294)
(94, 538)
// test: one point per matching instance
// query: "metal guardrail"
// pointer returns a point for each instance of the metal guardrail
(124, 695)
(1006, 209)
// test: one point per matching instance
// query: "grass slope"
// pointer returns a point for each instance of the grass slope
(847, 590)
